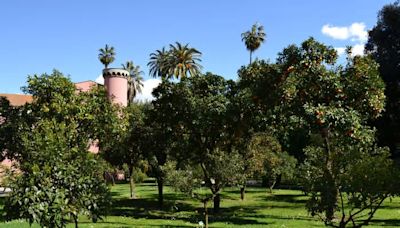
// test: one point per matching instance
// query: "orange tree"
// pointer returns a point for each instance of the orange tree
(331, 105)
(48, 138)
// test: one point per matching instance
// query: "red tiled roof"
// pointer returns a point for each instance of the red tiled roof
(17, 99)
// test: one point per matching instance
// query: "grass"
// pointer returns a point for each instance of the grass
(283, 208)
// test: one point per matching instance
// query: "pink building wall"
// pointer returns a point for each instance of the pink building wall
(116, 83)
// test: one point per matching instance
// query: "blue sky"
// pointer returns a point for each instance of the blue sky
(38, 36)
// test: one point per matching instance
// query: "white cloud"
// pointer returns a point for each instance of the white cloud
(357, 49)
(354, 32)
(340, 33)
(358, 32)
(100, 79)
(340, 50)
(148, 86)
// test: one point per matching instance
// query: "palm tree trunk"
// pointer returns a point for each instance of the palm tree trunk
(251, 53)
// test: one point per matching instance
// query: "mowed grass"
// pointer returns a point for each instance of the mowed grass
(283, 208)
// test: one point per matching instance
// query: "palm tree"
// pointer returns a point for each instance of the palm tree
(253, 38)
(107, 55)
(135, 81)
(179, 61)
(185, 60)
(159, 63)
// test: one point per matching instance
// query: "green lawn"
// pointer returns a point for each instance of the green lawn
(284, 208)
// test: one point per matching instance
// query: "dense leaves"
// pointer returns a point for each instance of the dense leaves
(49, 140)
(178, 61)
(384, 46)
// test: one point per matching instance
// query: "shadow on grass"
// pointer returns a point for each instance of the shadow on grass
(148, 208)
(289, 198)
(386, 222)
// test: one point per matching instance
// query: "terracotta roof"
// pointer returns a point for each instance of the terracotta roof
(17, 99)
(85, 85)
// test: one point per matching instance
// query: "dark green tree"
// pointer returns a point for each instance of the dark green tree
(384, 45)
(194, 115)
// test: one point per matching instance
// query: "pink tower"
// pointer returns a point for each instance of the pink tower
(116, 83)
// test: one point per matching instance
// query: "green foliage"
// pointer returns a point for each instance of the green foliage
(49, 141)
(334, 104)
(266, 158)
(364, 176)
(306, 101)
(107, 55)
(135, 80)
(178, 61)
(254, 38)
(50, 190)
(383, 45)
(193, 116)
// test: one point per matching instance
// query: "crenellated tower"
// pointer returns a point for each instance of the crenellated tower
(116, 83)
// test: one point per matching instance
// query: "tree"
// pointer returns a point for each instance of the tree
(159, 137)
(179, 61)
(185, 60)
(254, 38)
(49, 142)
(384, 45)
(107, 55)
(260, 84)
(334, 105)
(266, 158)
(135, 80)
(129, 144)
(223, 169)
(50, 190)
(192, 125)
(160, 63)
(363, 176)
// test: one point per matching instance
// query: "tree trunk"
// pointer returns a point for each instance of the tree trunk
(205, 213)
(330, 192)
(251, 53)
(242, 192)
(75, 220)
(160, 185)
(217, 202)
(271, 187)
(131, 182)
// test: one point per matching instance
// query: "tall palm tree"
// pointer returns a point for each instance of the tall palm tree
(253, 38)
(107, 55)
(135, 80)
(185, 60)
(159, 64)
(179, 61)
